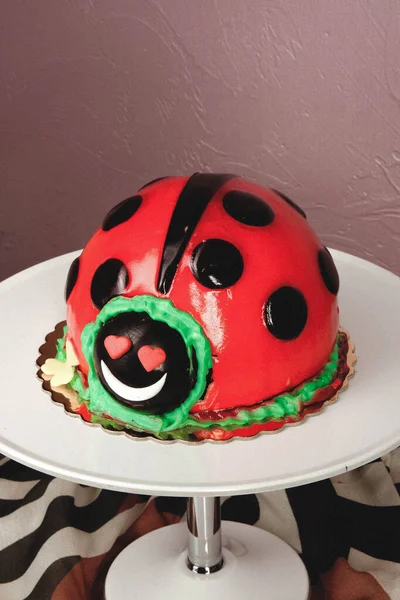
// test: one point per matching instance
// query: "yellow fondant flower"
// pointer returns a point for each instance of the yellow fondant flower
(59, 372)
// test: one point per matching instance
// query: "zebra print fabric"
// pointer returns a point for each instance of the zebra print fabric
(58, 539)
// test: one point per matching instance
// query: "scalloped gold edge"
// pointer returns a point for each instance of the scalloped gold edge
(69, 396)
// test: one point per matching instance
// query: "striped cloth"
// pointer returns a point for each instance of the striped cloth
(58, 539)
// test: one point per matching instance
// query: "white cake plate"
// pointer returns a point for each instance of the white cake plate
(361, 426)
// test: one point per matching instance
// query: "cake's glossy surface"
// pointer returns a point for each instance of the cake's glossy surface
(199, 295)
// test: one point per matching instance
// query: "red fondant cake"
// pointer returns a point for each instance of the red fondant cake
(204, 307)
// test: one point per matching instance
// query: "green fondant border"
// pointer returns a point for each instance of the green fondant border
(76, 383)
(103, 404)
(278, 408)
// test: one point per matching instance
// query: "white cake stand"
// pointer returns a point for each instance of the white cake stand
(363, 425)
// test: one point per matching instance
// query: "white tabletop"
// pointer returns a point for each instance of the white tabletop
(362, 425)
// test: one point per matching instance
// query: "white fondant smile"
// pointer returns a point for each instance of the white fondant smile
(127, 392)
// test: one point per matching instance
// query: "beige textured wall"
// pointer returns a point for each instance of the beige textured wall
(98, 97)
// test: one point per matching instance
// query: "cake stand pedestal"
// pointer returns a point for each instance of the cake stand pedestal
(182, 561)
(361, 426)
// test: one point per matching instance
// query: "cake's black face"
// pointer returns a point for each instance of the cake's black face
(143, 363)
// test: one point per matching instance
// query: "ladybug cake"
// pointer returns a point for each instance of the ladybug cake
(203, 307)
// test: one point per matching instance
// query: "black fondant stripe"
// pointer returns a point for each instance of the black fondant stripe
(51, 578)
(291, 203)
(191, 204)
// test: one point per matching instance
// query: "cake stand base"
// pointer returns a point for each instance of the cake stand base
(257, 565)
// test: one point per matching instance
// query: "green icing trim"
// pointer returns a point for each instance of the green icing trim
(102, 403)
(285, 405)
(60, 347)
(282, 406)
(76, 383)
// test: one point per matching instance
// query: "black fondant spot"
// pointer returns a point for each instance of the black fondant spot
(248, 208)
(217, 264)
(144, 331)
(72, 277)
(328, 271)
(109, 280)
(151, 182)
(292, 204)
(121, 212)
(286, 313)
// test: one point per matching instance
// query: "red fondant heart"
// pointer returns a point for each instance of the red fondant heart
(151, 358)
(117, 345)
